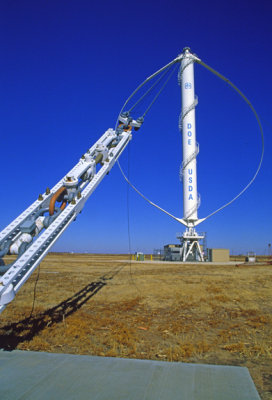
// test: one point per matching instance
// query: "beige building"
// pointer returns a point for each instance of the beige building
(218, 255)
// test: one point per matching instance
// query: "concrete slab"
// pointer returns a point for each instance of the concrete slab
(39, 376)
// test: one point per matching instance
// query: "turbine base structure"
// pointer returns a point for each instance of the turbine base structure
(190, 246)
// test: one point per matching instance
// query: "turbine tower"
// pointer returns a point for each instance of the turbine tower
(191, 249)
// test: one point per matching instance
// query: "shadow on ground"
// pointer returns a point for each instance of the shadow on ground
(13, 334)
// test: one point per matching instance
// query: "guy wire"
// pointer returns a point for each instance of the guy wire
(149, 90)
(128, 228)
(34, 291)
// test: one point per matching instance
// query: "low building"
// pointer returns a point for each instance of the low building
(172, 252)
(251, 257)
(139, 256)
(218, 255)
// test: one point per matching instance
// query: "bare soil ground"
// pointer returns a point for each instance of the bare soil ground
(102, 305)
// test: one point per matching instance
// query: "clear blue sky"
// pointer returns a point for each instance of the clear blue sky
(66, 69)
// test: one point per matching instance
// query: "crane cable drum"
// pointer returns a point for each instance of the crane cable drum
(220, 76)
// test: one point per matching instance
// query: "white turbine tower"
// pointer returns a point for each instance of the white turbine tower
(191, 249)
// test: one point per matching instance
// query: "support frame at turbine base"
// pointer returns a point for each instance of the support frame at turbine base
(190, 246)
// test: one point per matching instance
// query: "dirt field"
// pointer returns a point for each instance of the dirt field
(102, 305)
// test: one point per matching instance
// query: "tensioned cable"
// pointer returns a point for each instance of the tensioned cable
(149, 90)
(249, 104)
(144, 82)
(159, 92)
(128, 228)
(34, 292)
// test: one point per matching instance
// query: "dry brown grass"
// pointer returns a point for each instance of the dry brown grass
(102, 305)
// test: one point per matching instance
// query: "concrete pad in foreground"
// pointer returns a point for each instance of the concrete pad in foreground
(39, 376)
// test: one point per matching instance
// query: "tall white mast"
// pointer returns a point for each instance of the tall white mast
(190, 148)
(189, 239)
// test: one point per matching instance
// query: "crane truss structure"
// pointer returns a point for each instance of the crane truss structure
(24, 235)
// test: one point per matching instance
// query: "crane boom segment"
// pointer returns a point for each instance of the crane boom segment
(32, 234)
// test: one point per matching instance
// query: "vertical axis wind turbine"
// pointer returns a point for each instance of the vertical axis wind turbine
(191, 249)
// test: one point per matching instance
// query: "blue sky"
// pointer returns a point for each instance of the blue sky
(66, 69)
